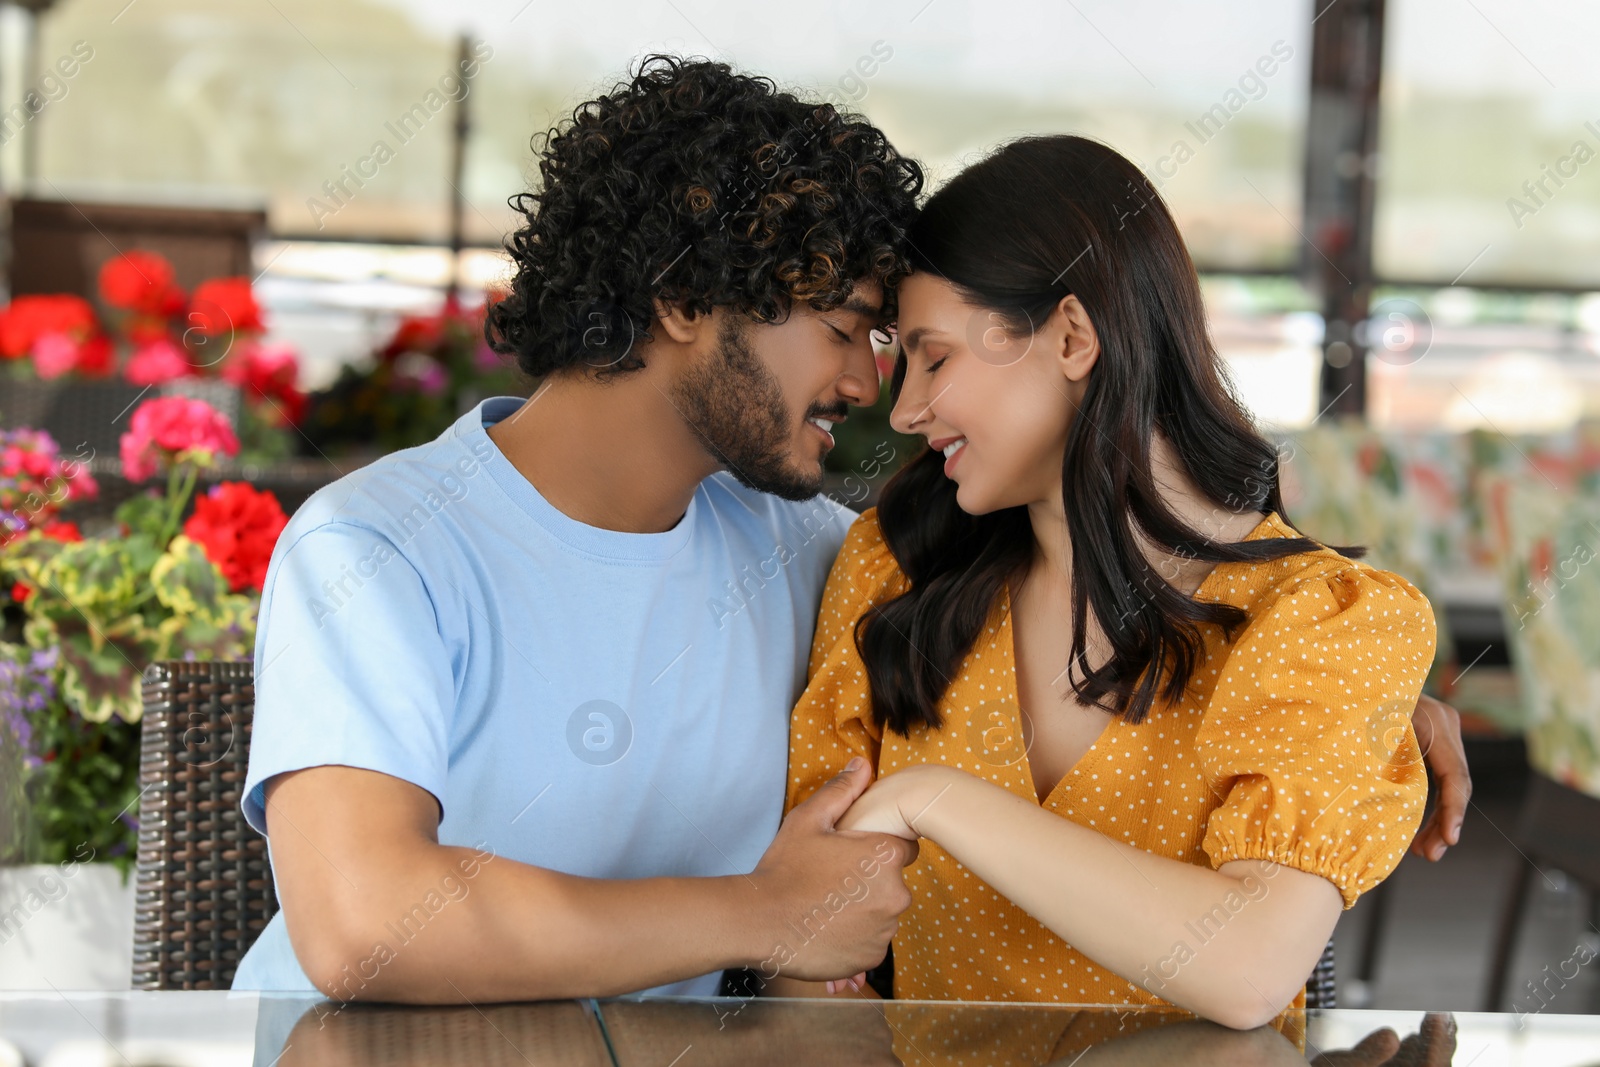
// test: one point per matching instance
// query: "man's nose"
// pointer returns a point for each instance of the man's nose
(859, 382)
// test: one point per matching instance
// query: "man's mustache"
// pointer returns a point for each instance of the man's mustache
(837, 411)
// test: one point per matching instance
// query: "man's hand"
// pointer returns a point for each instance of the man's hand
(837, 894)
(1433, 1045)
(1438, 728)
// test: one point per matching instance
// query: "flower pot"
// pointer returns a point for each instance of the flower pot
(67, 926)
(88, 418)
(85, 417)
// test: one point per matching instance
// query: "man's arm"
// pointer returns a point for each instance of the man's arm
(377, 909)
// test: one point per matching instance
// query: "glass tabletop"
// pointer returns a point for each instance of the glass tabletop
(272, 1030)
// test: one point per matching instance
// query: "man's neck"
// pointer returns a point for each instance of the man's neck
(617, 456)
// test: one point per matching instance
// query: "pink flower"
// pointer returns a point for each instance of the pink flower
(80, 483)
(35, 481)
(421, 372)
(137, 466)
(258, 364)
(267, 374)
(174, 429)
(54, 354)
(486, 359)
(885, 362)
(157, 362)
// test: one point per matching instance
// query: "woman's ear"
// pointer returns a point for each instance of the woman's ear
(682, 325)
(1080, 344)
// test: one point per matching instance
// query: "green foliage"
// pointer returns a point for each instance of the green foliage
(86, 618)
(433, 370)
(82, 800)
(112, 605)
(262, 440)
(859, 440)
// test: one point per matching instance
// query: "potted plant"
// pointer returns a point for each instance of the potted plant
(85, 616)
(78, 371)
(430, 372)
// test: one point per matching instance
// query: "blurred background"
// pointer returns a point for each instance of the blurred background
(1394, 206)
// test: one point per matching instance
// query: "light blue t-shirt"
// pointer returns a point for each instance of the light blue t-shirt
(607, 704)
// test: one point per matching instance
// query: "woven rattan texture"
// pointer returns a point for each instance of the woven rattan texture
(204, 886)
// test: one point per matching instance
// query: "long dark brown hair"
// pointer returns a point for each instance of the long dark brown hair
(1037, 220)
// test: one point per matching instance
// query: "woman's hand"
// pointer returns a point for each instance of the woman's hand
(893, 803)
(1438, 728)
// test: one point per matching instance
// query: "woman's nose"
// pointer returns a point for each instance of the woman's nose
(908, 409)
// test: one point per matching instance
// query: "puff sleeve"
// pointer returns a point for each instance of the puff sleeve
(1308, 736)
(833, 719)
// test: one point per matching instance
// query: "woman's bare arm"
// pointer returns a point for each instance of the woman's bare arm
(1233, 944)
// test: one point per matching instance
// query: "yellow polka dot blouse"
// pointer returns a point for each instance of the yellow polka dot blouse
(1292, 743)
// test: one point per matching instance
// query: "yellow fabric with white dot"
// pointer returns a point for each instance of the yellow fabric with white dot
(1292, 743)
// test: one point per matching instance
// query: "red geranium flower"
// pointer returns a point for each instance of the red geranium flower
(96, 358)
(34, 482)
(141, 282)
(224, 304)
(29, 318)
(60, 530)
(237, 525)
(415, 333)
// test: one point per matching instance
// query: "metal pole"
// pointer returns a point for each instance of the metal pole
(458, 164)
(1341, 168)
(5, 194)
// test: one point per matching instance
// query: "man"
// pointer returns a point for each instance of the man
(522, 693)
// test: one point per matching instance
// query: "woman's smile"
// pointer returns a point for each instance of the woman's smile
(952, 447)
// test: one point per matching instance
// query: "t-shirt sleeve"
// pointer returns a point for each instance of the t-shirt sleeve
(1308, 735)
(833, 719)
(350, 666)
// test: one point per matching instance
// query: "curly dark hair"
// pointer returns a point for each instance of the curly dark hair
(702, 187)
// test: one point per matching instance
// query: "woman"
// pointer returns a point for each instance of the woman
(1151, 737)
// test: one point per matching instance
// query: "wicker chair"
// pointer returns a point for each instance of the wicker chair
(204, 888)
(1319, 987)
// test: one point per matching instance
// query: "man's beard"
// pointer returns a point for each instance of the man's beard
(736, 408)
